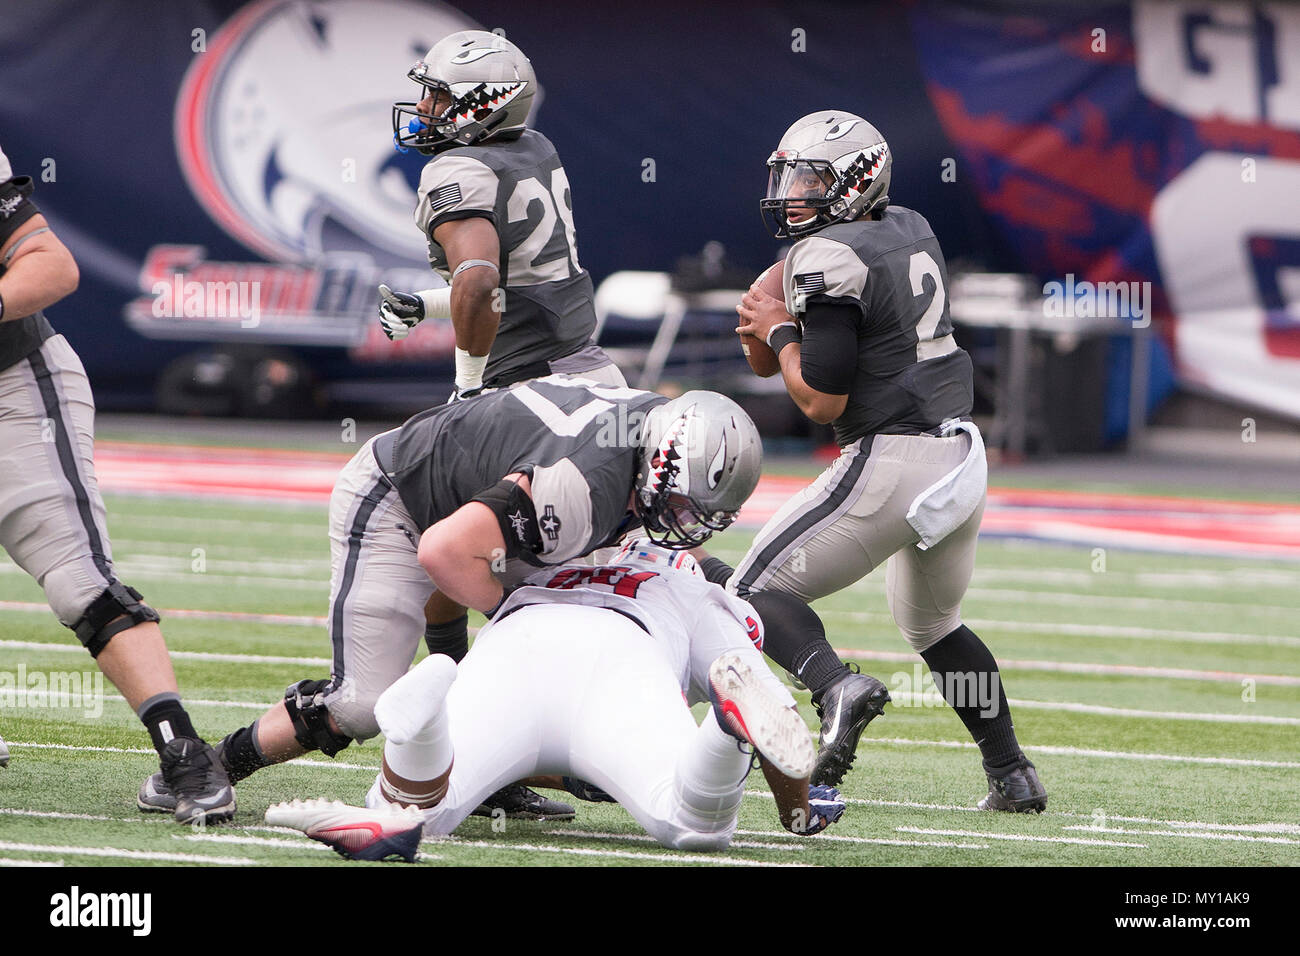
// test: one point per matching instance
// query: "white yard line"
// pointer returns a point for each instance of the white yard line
(1189, 834)
(932, 699)
(58, 815)
(1109, 754)
(1190, 824)
(1019, 837)
(619, 854)
(646, 838)
(126, 569)
(6, 861)
(1072, 667)
(56, 700)
(303, 843)
(294, 620)
(1065, 667)
(1095, 630)
(875, 587)
(180, 655)
(882, 841)
(176, 523)
(115, 853)
(1200, 578)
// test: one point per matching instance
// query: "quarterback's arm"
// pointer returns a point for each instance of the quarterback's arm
(41, 272)
(760, 314)
(475, 305)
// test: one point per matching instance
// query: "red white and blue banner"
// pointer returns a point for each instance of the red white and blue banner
(194, 151)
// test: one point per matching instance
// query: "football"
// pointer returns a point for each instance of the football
(761, 358)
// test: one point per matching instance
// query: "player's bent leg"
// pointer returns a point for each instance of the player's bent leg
(634, 737)
(497, 713)
(417, 752)
(924, 590)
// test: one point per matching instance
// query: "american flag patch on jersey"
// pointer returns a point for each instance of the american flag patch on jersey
(444, 196)
(809, 283)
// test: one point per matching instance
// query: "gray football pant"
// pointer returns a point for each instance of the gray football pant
(52, 521)
(853, 518)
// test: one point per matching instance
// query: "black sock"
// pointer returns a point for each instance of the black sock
(450, 638)
(794, 637)
(240, 754)
(716, 571)
(967, 675)
(165, 717)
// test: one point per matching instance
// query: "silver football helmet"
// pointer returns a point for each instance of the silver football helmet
(699, 462)
(828, 167)
(481, 84)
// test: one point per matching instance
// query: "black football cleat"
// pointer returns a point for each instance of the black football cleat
(1015, 789)
(520, 803)
(845, 709)
(194, 774)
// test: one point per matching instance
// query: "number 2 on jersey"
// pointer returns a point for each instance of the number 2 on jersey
(922, 264)
(522, 261)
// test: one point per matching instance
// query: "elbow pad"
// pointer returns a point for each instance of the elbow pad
(515, 514)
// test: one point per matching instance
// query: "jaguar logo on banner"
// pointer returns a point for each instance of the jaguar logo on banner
(283, 128)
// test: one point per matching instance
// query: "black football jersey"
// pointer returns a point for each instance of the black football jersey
(19, 335)
(520, 186)
(911, 375)
(579, 440)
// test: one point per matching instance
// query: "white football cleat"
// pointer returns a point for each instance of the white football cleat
(356, 833)
(748, 710)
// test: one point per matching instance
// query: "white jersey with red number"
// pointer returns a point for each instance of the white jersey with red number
(691, 620)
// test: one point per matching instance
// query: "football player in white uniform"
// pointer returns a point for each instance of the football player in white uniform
(495, 206)
(598, 666)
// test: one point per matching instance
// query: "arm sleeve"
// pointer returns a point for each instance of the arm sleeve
(829, 354)
(16, 205)
(454, 187)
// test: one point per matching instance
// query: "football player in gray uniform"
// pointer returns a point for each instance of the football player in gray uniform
(864, 342)
(52, 519)
(472, 495)
(495, 206)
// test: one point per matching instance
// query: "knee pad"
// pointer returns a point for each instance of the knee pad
(305, 702)
(118, 608)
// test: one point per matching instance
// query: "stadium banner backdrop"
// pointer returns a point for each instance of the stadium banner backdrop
(190, 152)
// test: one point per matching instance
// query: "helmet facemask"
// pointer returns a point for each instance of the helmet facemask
(831, 191)
(671, 518)
(472, 112)
(798, 186)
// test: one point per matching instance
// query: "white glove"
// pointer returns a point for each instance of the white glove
(399, 312)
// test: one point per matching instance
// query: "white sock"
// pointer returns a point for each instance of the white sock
(415, 700)
(413, 716)
(711, 776)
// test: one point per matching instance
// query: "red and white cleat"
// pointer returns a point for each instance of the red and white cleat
(750, 712)
(356, 833)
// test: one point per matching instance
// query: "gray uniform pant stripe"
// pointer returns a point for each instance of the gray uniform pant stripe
(755, 572)
(377, 493)
(68, 461)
